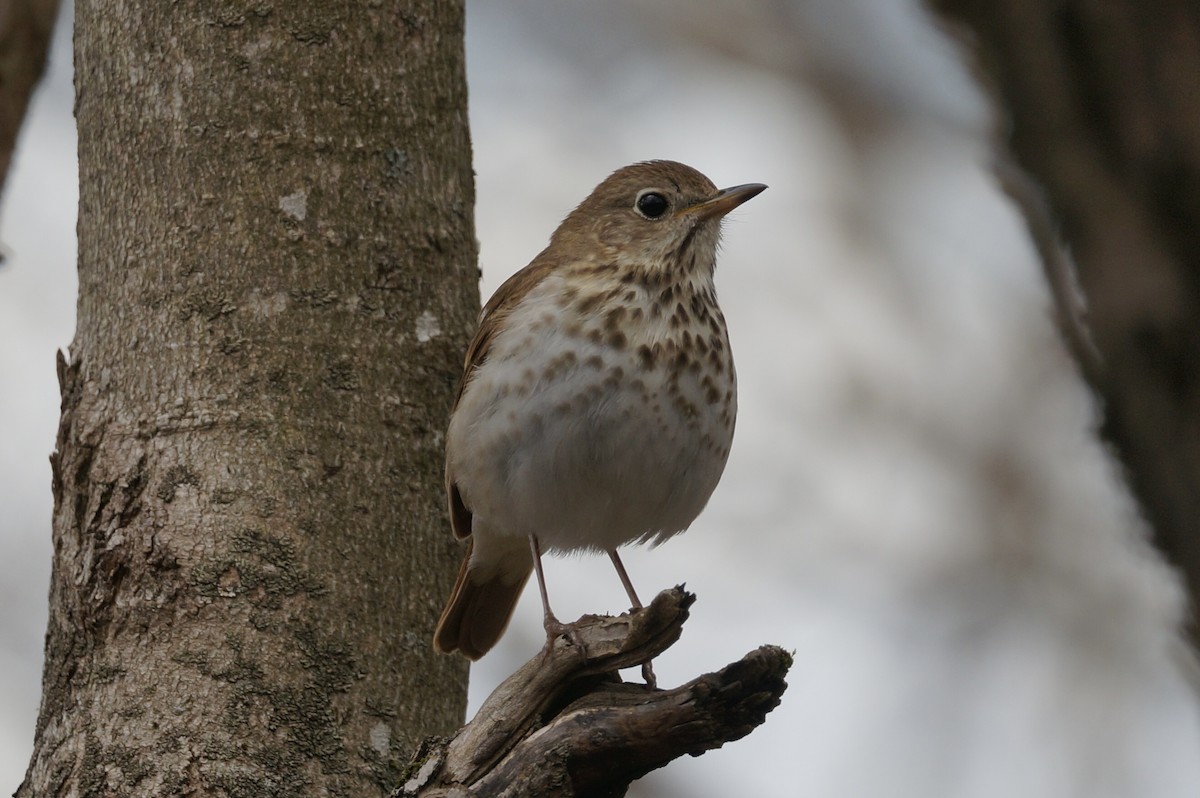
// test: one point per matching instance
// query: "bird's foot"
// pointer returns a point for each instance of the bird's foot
(556, 628)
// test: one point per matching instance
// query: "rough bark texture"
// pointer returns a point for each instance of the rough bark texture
(277, 277)
(1103, 103)
(25, 29)
(565, 724)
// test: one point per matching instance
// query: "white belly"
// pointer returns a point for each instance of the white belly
(585, 452)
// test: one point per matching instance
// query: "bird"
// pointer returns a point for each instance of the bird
(598, 397)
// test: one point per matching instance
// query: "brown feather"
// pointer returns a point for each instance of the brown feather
(491, 320)
(460, 516)
(478, 612)
(497, 310)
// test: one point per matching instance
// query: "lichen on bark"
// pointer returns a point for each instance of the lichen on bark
(250, 550)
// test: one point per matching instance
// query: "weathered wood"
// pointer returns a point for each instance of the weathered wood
(566, 725)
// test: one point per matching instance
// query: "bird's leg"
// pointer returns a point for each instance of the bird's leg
(616, 561)
(647, 666)
(553, 626)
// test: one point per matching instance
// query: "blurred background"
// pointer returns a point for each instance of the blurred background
(916, 504)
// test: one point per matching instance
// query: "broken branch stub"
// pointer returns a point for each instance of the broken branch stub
(566, 725)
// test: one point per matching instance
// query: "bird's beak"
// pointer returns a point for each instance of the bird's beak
(726, 200)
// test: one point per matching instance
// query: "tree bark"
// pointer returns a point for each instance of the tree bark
(25, 30)
(278, 274)
(1104, 111)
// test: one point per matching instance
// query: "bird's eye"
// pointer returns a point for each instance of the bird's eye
(651, 204)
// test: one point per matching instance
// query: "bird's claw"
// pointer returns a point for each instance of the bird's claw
(556, 628)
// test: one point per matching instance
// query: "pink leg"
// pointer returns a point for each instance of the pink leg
(553, 626)
(616, 561)
(647, 666)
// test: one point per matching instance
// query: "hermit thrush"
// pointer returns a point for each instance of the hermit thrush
(597, 404)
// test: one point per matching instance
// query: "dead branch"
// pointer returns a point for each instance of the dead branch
(566, 725)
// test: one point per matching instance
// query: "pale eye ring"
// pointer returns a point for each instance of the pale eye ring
(651, 204)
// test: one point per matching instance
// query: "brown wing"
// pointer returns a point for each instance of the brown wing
(496, 311)
(491, 320)
(460, 516)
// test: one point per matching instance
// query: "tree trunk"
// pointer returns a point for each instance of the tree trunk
(277, 278)
(1104, 104)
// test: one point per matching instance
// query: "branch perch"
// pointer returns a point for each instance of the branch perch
(566, 725)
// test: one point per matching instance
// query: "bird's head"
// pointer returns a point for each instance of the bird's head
(653, 217)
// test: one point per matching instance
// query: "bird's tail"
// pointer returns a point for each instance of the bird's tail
(482, 602)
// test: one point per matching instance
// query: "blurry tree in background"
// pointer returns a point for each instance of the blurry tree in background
(25, 27)
(1102, 107)
(277, 272)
